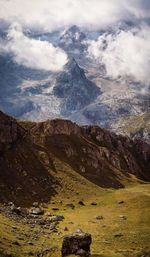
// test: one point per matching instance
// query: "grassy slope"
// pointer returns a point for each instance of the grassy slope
(135, 229)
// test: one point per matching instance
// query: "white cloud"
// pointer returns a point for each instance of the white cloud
(125, 54)
(33, 53)
(52, 14)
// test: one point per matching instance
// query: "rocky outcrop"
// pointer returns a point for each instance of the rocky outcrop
(77, 243)
(94, 152)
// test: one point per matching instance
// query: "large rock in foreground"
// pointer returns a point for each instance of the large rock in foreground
(77, 243)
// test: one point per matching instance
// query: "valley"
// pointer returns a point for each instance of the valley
(44, 164)
(74, 128)
(118, 232)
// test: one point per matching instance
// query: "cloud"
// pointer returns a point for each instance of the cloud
(125, 54)
(52, 14)
(33, 53)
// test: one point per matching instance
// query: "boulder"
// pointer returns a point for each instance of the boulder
(70, 205)
(56, 218)
(120, 202)
(55, 209)
(93, 203)
(77, 243)
(36, 211)
(99, 217)
(81, 203)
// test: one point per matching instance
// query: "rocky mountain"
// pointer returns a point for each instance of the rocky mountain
(76, 90)
(72, 40)
(84, 95)
(32, 157)
(136, 127)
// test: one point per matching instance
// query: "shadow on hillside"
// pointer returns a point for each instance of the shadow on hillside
(28, 176)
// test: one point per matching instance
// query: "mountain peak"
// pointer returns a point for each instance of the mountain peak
(74, 88)
(74, 29)
(73, 67)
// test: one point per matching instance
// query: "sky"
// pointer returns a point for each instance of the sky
(51, 14)
(127, 52)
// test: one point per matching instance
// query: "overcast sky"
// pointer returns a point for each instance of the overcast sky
(52, 14)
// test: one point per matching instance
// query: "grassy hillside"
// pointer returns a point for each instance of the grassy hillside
(113, 236)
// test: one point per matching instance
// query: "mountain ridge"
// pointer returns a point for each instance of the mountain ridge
(28, 165)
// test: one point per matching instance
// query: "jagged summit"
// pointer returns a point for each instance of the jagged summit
(73, 29)
(73, 68)
(73, 33)
(73, 86)
(72, 39)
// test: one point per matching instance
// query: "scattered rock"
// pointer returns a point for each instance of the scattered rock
(120, 202)
(10, 203)
(118, 235)
(49, 214)
(55, 209)
(104, 226)
(36, 211)
(66, 229)
(15, 209)
(93, 203)
(99, 217)
(77, 243)
(56, 218)
(81, 203)
(52, 227)
(19, 210)
(30, 243)
(14, 227)
(123, 217)
(70, 205)
(35, 204)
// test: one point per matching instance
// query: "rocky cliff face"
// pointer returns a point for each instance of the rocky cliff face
(10, 131)
(27, 168)
(94, 152)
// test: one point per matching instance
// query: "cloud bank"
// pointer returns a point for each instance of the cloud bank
(52, 14)
(125, 54)
(33, 53)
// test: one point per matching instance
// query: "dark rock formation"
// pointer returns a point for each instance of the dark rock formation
(74, 88)
(77, 243)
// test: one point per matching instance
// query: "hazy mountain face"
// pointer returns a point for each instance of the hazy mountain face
(93, 69)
